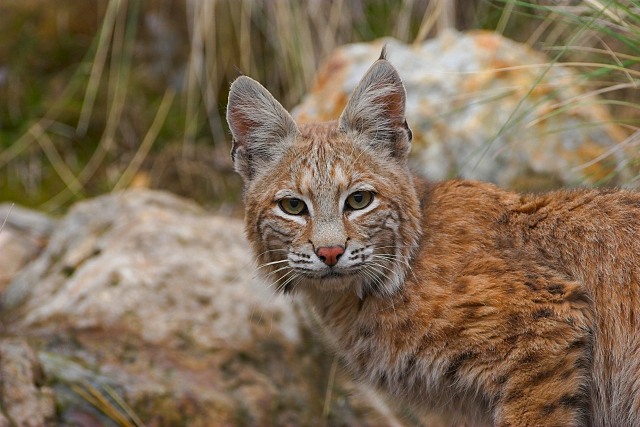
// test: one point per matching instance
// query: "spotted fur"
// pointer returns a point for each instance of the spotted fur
(458, 298)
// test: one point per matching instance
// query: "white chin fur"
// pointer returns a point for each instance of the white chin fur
(353, 283)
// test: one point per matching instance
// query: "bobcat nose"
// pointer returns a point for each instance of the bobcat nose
(330, 254)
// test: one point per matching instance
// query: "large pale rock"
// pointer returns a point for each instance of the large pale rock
(484, 107)
(23, 234)
(146, 294)
(145, 263)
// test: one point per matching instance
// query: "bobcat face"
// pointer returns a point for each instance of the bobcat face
(330, 215)
(329, 206)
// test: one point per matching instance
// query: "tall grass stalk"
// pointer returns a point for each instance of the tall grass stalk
(111, 404)
(99, 122)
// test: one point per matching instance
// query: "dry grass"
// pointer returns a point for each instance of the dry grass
(4, 221)
(109, 403)
(129, 81)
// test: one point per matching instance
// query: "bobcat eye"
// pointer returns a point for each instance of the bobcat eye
(292, 206)
(359, 199)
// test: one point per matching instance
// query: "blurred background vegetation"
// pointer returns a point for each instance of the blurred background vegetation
(100, 95)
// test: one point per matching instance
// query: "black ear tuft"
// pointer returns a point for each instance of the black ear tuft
(383, 53)
(238, 71)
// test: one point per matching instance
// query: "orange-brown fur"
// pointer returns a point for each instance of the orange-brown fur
(487, 306)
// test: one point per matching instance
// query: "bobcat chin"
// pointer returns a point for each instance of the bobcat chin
(458, 298)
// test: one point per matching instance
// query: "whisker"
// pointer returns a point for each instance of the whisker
(389, 247)
(394, 308)
(377, 274)
(378, 284)
(405, 262)
(283, 287)
(383, 266)
(389, 258)
(369, 274)
(276, 282)
(273, 250)
(277, 270)
(395, 256)
(392, 247)
(292, 287)
(272, 263)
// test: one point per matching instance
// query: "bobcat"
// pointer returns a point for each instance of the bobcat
(456, 297)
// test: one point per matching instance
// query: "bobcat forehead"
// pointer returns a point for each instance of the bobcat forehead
(322, 165)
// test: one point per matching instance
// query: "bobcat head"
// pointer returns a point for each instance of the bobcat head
(331, 206)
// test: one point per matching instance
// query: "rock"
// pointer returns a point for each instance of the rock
(23, 234)
(143, 295)
(22, 399)
(124, 261)
(484, 107)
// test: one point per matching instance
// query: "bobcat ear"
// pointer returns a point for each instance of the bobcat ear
(376, 110)
(261, 128)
